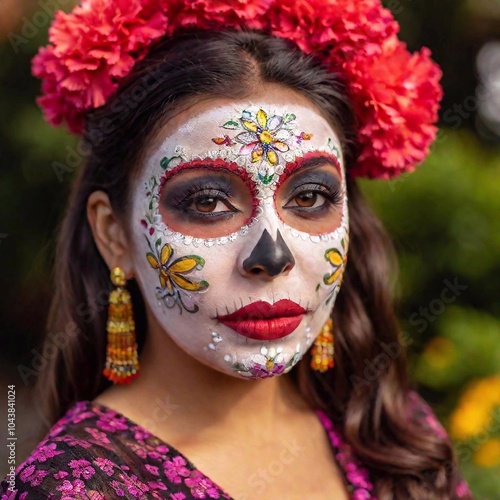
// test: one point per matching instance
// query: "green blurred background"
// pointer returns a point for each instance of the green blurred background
(444, 219)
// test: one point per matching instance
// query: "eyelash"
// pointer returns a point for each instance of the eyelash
(333, 194)
(182, 201)
(195, 192)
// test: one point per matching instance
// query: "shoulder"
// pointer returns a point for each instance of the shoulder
(68, 462)
(94, 452)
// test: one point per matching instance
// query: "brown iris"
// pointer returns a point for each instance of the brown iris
(207, 204)
(306, 199)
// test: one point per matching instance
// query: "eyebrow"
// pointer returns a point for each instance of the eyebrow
(309, 161)
(218, 180)
(311, 175)
(219, 167)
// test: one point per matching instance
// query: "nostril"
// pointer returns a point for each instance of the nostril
(256, 270)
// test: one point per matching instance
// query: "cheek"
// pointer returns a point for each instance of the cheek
(321, 265)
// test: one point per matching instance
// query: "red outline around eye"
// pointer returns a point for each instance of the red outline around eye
(292, 166)
(219, 165)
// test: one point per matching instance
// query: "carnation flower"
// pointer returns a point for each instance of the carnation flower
(395, 94)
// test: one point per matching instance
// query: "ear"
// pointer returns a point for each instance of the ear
(108, 233)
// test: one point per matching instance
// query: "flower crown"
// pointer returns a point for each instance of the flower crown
(395, 94)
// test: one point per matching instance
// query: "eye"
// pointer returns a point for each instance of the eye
(313, 198)
(207, 203)
(308, 199)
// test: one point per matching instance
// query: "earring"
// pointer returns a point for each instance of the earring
(323, 349)
(122, 363)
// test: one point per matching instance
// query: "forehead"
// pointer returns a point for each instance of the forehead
(261, 137)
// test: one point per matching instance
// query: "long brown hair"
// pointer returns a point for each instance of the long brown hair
(406, 460)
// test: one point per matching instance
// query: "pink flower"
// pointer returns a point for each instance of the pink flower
(33, 476)
(176, 469)
(201, 486)
(73, 441)
(61, 474)
(395, 94)
(73, 487)
(106, 465)
(97, 435)
(82, 468)
(118, 488)
(111, 422)
(43, 453)
(177, 496)
(92, 49)
(153, 469)
(157, 485)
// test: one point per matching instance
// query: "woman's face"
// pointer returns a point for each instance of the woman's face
(240, 231)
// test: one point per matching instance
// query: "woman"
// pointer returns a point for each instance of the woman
(221, 143)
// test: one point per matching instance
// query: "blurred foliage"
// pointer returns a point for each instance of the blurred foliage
(444, 220)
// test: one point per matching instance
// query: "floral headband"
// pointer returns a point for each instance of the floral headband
(395, 94)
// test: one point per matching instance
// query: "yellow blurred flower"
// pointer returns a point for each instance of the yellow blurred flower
(439, 352)
(488, 455)
(474, 411)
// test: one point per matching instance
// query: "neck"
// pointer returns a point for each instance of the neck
(179, 397)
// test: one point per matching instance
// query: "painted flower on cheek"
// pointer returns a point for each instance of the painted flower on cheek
(338, 259)
(172, 275)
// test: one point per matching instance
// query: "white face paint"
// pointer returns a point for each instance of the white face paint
(277, 256)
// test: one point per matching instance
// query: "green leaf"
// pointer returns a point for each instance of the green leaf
(289, 117)
(265, 179)
(231, 125)
(158, 242)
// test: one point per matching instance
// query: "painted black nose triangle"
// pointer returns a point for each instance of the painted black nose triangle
(269, 256)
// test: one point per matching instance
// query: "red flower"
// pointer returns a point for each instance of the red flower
(92, 49)
(395, 94)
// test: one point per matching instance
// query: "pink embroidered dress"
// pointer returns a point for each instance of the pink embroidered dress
(95, 453)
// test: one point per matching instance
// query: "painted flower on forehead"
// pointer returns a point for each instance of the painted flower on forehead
(263, 136)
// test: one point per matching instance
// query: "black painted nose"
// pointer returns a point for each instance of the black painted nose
(269, 256)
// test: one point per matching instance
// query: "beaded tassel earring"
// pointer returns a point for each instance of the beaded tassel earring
(122, 365)
(323, 349)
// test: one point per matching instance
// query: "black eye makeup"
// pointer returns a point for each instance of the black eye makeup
(313, 193)
(205, 197)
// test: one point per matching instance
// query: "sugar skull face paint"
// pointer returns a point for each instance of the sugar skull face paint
(241, 230)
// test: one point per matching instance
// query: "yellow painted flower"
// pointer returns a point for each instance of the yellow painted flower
(174, 275)
(488, 455)
(264, 137)
(474, 411)
(338, 260)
